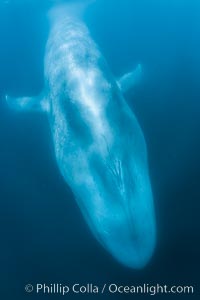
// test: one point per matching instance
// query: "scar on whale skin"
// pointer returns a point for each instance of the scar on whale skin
(99, 145)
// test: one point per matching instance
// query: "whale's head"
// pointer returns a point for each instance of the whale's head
(74, 8)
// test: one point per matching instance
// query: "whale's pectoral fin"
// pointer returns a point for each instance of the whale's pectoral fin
(38, 103)
(131, 79)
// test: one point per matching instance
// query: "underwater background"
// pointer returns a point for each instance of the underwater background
(44, 238)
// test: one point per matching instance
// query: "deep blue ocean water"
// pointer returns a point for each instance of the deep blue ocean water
(43, 235)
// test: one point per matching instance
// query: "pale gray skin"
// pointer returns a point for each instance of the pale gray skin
(99, 146)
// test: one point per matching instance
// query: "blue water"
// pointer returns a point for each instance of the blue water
(43, 235)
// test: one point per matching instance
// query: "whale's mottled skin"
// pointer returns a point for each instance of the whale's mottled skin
(99, 145)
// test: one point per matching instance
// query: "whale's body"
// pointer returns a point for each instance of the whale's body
(99, 146)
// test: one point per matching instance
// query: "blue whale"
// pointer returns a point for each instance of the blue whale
(99, 146)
